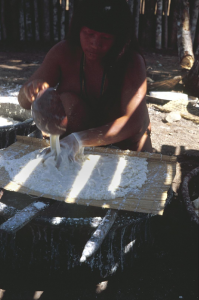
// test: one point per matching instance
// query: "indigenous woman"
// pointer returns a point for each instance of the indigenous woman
(100, 78)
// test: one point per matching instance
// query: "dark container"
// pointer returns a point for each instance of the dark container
(24, 127)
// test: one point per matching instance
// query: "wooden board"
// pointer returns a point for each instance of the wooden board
(152, 196)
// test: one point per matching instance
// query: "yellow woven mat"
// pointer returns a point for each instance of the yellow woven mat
(152, 196)
(186, 109)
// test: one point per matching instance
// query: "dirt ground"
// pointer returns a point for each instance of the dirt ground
(179, 138)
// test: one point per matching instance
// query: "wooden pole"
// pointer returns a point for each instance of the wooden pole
(194, 18)
(137, 17)
(185, 46)
(165, 23)
(149, 17)
(173, 16)
(55, 20)
(131, 5)
(36, 19)
(159, 24)
(21, 21)
(71, 9)
(3, 20)
(197, 51)
(28, 21)
(63, 20)
(46, 20)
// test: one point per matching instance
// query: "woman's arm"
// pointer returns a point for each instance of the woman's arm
(134, 118)
(47, 75)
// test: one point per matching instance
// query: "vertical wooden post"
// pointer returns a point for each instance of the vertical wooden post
(197, 51)
(63, 20)
(131, 5)
(194, 18)
(137, 17)
(159, 24)
(36, 19)
(3, 20)
(71, 9)
(21, 21)
(165, 23)
(148, 34)
(55, 20)
(173, 33)
(46, 20)
(185, 46)
(28, 21)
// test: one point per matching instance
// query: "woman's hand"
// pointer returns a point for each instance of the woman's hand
(70, 146)
(32, 88)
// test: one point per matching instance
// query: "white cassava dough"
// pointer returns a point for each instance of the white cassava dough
(7, 121)
(99, 177)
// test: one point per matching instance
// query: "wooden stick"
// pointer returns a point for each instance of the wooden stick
(99, 235)
(21, 218)
(159, 24)
(165, 24)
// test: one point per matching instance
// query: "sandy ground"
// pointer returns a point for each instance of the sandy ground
(179, 138)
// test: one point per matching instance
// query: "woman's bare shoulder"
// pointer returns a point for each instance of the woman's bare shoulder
(136, 65)
(62, 50)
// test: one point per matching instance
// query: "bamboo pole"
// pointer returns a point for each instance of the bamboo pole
(21, 21)
(63, 20)
(159, 24)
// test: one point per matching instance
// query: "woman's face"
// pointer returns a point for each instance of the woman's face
(95, 44)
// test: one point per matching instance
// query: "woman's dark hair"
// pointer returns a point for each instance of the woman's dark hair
(109, 16)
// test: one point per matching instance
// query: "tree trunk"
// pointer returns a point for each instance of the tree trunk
(165, 23)
(21, 21)
(46, 20)
(63, 20)
(28, 28)
(36, 18)
(185, 46)
(3, 20)
(55, 20)
(194, 19)
(159, 24)
(136, 17)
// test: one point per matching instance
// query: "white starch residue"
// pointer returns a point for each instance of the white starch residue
(7, 121)
(100, 177)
